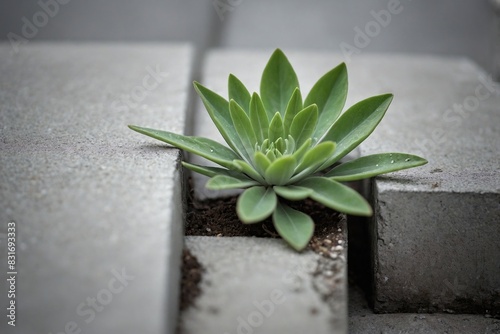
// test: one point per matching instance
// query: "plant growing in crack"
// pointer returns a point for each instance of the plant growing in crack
(282, 146)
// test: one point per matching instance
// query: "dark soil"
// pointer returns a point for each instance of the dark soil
(191, 277)
(218, 218)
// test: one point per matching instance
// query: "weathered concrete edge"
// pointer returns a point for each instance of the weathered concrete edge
(163, 319)
(452, 288)
(317, 273)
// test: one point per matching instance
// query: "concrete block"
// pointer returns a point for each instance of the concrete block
(97, 207)
(364, 26)
(260, 285)
(436, 227)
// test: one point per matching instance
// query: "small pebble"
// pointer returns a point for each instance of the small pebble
(341, 241)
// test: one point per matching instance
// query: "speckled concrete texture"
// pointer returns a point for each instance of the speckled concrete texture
(98, 208)
(260, 285)
(362, 320)
(436, 227)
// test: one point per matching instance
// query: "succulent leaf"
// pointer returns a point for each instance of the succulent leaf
(293, 108)
(373, 165)
(293, 193)
(280, 170)
(218, 109)
(313, 159)
(249, 170)
(204, 147)
(337, 196)
(262, 162)
(224, 182)
(238, 92)
(243, 127)
(303, 124)
(276, 130)
(356, 124)
(256, 204)
(210, 171)
(277, 83)
(294, 226)
(302, 150)
(258, 118)
(329, 93)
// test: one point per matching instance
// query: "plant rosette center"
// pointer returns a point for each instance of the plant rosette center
(281, 146)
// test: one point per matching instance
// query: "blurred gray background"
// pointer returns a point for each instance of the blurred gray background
(442, 27)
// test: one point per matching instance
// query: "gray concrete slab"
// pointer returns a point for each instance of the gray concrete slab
(260, 285)
(97, 207)
(362, 320)
(361, 27)
(436, 227)
(21, 23)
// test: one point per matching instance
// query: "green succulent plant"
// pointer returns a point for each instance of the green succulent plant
(282, 146)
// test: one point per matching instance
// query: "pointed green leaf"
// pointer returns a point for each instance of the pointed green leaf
(223, 182)
(270, 155)
(281, 170)
(303, 124)
(238, 92)
(280, 144)
(203, 147)
(293, 193)
(258, 118)
(290, 145)
(276, 128)
(337, 196)
(329, 94)
(313, 159)
(278, 83)
(210, 171)
(373, 165)
(293, 226)
(356, 124)
(256, 204)
(218, 109)
(262, 162)
(316, 156)
(301, 151)
(243, 127)
(292, 109)
(246, 168)
(265, 145)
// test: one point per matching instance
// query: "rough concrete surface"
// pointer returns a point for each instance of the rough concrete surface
(260, 285)
(362, 320)
(97, 207)
(436, 227)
